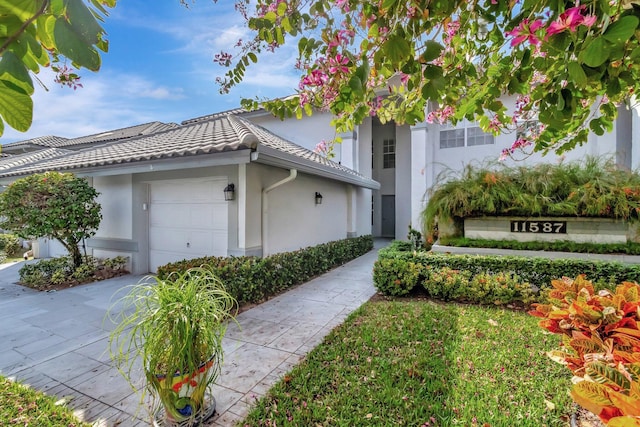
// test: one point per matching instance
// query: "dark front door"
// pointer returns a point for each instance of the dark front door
(389, 216)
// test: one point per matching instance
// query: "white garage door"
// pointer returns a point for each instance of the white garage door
(187, 219)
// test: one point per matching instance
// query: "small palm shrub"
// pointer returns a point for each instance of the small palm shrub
(593, 188)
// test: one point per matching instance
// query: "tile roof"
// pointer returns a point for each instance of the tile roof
(26, 159)
(224, 133)
(41, 141)
(232, 112)
(118, 134)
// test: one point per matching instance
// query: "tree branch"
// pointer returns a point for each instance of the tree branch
(23, 27)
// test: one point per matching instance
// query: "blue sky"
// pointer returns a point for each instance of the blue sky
(159, 67)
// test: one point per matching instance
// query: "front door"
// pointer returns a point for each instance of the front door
(389, 216)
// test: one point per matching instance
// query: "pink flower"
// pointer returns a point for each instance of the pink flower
(570, 19)
(338, 64)
(525, 31)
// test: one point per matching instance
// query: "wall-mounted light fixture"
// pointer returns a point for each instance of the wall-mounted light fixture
(318, 198)
(229, 192)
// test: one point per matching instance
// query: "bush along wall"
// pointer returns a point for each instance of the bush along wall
(252, 279)
(487, 279)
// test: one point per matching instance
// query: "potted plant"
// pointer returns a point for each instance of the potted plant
(174, 326)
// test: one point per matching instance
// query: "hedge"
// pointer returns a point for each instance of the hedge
(253, 279)
(536, 271)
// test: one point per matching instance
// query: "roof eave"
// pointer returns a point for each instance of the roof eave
(152, 165)
(273, 157)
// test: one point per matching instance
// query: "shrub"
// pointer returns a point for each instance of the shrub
(3, 257)
(446, 283)
(628, 248)
(601, 345)
(57, 271)
(10, 244)
(539, 272)
(396, 277)
(252, 279)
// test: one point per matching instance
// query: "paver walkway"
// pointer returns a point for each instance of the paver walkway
(58, 342)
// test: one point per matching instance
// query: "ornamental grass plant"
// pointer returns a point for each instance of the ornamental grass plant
(174, 326)
(591, 188)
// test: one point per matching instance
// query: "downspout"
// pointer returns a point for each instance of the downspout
(293, 173)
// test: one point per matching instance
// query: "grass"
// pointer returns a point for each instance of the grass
(23, 406)
(421, 363)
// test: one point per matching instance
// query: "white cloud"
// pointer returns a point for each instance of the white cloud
(105, 102)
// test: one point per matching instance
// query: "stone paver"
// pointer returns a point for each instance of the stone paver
(57, 342)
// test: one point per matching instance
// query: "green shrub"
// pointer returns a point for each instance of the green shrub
(56, 271)
(10, 244)
(539, 272)
(252, 279)
(446, 283)
(396, 277)
(628, 248)
(3, 257)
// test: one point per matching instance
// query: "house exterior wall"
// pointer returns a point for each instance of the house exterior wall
(294, 220)
(306, 132)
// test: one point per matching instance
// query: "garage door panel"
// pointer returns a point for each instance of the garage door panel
(167, 239)
(187, 219)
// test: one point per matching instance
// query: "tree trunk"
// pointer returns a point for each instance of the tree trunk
(74, 251)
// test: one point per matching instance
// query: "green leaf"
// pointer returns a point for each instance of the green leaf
(432, 51)
(271, 17)
(71, 45)
(279, 36)
(286, 25)
(14, 71)
(576, 73)
(622, 29)
(397, 49)
(23, 9)
(16, 108)
(596, 53)
(252, 56)
(282, 8)
(83, 22)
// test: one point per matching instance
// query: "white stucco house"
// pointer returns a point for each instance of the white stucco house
(162, 184)
(162, 190)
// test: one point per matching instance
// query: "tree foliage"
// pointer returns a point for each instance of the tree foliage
(54, 205)
(569, 64)
(45, 33)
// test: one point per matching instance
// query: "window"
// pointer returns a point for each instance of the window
(464, 134)
(389, 153)
(476, 136)
(452, 138)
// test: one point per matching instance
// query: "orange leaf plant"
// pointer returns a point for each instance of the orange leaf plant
(600, 344)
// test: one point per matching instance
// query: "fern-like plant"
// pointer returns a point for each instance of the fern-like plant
(600, 344)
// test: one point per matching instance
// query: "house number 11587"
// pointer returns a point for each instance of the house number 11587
(553, 227)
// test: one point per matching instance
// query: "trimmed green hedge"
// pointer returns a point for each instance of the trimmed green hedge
(252, 279)
(628, 248)
(537, 271)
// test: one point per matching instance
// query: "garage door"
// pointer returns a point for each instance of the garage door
(187, 219)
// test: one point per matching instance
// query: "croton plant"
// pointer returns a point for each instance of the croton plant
(600, 344)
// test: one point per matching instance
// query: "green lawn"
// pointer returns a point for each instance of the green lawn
(23, 406)
(424, 364)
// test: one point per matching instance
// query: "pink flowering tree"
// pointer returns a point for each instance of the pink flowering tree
(569, 64)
